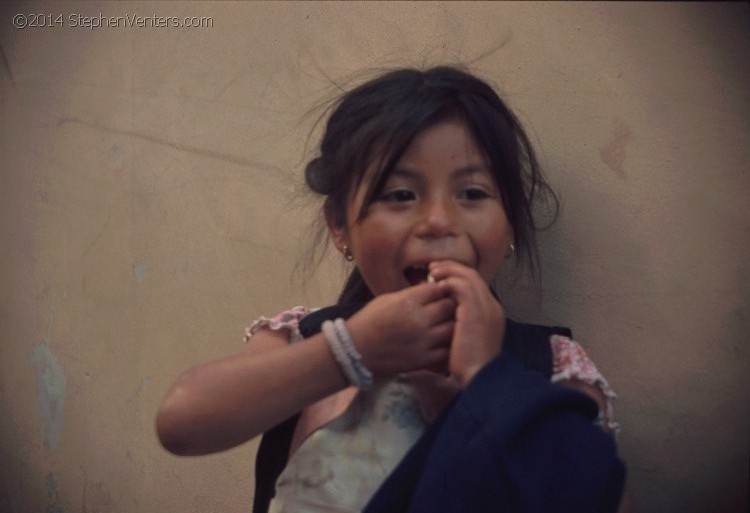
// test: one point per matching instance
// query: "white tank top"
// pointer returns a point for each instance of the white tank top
(339, 467)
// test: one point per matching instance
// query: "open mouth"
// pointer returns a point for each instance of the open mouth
(416, 274)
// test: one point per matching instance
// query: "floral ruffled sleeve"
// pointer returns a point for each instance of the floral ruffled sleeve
(572, 363)
(286, 320)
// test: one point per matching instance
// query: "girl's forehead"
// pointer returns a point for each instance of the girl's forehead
(447, 140)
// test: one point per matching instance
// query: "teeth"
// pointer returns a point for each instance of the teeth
(425, 267)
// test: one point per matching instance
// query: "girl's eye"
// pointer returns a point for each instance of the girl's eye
(398, 196)
(473, 194)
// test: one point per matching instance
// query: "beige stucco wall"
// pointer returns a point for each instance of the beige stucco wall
(149, 187)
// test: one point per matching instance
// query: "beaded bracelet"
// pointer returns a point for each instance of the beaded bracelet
(340, 343)
(364, 376)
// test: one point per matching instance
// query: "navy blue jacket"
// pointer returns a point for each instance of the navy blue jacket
(511, 441)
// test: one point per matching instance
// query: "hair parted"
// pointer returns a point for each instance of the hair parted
(374, 123)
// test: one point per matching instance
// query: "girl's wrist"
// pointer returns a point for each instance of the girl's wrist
(340, 343)
(464, 377)
(466, 373)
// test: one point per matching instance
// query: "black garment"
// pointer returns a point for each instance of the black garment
(524, 343)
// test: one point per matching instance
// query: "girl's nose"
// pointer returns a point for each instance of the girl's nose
(438, 218)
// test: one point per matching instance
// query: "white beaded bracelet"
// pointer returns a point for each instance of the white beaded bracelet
(340, 343)
(364, 376)
(337, 349)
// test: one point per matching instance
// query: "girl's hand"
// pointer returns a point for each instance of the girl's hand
(479, 319)
(435, 392)
(405, 330)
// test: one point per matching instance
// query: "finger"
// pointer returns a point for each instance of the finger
(460, 288)
(442, 310)
(444, 271)
(441, 335)
(445, 268)
(437, 357)
(425, 293)
(473, 303)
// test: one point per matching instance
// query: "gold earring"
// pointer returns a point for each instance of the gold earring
(347, 253)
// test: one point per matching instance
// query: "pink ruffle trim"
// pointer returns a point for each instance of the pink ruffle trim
(286, 320)
(572, 363)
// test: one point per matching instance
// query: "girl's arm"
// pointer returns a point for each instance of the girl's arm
(223, 403)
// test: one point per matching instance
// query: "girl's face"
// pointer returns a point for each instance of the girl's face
(439, 203)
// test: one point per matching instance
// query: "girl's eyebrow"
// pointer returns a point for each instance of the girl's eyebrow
(469, 170)
(456, 174)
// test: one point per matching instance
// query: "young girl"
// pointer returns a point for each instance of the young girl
(414, 392)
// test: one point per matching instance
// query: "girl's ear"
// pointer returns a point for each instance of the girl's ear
(336, 228)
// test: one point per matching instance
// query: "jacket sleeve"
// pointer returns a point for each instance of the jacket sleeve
(512, 441)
